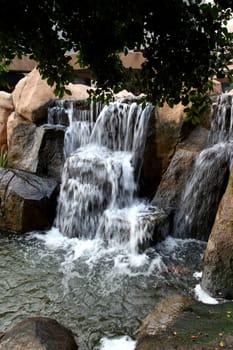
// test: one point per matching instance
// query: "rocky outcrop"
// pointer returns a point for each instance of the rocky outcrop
(37, 149)
(170, 189)
(163, 137)
(32, 95)
(217, 277)
(168, 194)
(38, 333)
(159, 319)
(27, 201)
(6, 107)
(13, 121)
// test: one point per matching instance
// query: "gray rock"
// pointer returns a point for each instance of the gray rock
(27, 201)
(171, 186)
(37, 149)
(38, 333)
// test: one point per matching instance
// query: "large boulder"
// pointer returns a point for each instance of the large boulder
(6, 107)
(38, 333)
(27, 201)
(32, 95)
(173, 181)
(163, 136)
(37, 149)
(217, 277)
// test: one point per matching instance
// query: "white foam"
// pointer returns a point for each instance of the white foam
(202, 296)
(122, 343)
(197, 275)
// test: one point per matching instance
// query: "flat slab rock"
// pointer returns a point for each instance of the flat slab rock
(27, 201)
(38, 333)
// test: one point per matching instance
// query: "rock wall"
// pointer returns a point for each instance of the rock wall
(217, 277)
(163, 137)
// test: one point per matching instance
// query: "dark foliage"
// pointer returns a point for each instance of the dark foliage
(184, 43)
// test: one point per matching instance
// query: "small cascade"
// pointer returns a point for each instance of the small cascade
(99, 187)
(203, 191)
(222, 120)
(208, 180)
(79, 119)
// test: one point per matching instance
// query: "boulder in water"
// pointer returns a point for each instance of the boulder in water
(27, 201)
(217, 277)
(38, 333)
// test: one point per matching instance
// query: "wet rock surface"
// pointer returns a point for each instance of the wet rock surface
(218, 260)
(38, 333)
(27, 201)
(193, 326)
(37, 149)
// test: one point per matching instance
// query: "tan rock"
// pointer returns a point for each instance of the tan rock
(6, 101)
(78, 91)
(124, 94)
(13, 121)
(218, 260)
(175, 114)
(217, 88)
(32, 94)
(6, 107)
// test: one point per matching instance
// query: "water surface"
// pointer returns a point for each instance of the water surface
(97, 291)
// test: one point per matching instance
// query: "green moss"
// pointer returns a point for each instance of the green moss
(198, 327)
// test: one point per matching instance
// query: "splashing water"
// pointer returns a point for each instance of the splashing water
(98, 191)
(97, 291)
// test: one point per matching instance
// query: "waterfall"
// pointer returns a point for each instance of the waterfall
(98, 196)
(208, 179)
(222, 120)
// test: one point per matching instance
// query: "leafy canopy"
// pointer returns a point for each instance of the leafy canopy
(184, 43)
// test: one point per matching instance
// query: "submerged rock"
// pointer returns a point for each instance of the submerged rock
(27, 201)
(218, 260)
(38, 333)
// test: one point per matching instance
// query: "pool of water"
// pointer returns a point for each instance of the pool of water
(98, 291)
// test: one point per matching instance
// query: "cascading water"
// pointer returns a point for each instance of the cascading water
(98, 191)
(208, 180)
